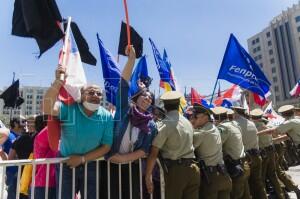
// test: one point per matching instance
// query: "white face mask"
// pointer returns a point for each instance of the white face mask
(90, 106)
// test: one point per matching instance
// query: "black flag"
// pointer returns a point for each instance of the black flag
(136, 41)
(83, 47)
(38, 19)
(11, 96)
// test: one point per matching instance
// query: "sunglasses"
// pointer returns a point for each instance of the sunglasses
(92, 93)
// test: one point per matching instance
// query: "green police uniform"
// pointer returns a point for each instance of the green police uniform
(208, 147)
(291, 126)
(268, 154)
(175, 141)
(234, 155)
(250, 141)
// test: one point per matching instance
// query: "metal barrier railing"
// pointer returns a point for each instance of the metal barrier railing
(51, 161)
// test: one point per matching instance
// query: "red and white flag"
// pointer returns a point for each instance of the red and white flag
(76, 78)
(295, 92)
(69, 57)
(233, 94)
(274, 118)
(261, 101)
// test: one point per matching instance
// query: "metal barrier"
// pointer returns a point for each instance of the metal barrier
(51, 161)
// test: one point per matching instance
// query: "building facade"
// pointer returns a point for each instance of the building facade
(33, 97)
(277, 50)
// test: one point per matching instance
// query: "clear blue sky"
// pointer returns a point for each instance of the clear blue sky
(194, 32)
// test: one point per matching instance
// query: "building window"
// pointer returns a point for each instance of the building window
(272, 61)
(276, 89)
(298, 28)
(269, 43)
(274, 79)
(254, 50)
(297, 18)
(259, 57)
(271, 52)
(258, 48)
(261, 65)
(257, 40)
(268, 34)
(253, 42)
(277, 98)
(273, 70)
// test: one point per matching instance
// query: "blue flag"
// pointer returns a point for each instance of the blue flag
(111, 73)
(226, 103)
(166, 60)
(139, 73)
(162, 67)
(238, 67)
(206, 104)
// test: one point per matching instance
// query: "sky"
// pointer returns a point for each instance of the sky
(193, 32)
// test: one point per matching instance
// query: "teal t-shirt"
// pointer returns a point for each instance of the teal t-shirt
(80, 133)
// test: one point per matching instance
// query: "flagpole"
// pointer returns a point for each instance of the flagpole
(10, 114)
(249, 99)
(158, 90)
(65, 47)
(212, 96)
(127, 23)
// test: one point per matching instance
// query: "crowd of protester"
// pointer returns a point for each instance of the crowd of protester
(204, 152)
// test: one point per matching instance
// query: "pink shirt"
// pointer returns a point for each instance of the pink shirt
(42, 150)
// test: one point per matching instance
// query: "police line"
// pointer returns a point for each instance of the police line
(59, 161)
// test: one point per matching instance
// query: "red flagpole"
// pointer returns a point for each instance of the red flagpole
(127, 22)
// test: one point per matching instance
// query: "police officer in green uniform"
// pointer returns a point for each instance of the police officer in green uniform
(174, 142)
(250, 141)
(297, 112)
(215, 182)
(286, 179)
(291, 127)
(267, 152)
(234, 155)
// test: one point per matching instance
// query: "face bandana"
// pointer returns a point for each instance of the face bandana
(90, 106)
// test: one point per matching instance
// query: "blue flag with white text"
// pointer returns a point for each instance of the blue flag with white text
(238, 67)
(111, 73)
(162, 67)
(140, 73)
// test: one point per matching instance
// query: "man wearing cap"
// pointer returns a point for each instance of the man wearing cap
(174, 142)
(291, 125)
(208, 148)
(234, 155)
(267, 152)
(297, 112)
(250, 141)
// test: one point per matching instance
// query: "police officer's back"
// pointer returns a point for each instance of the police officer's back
(250, 140)
(215, 182)
(234, 155)
(174, 141)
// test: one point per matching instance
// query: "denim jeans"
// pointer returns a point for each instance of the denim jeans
(11, 182)
(66, 189)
